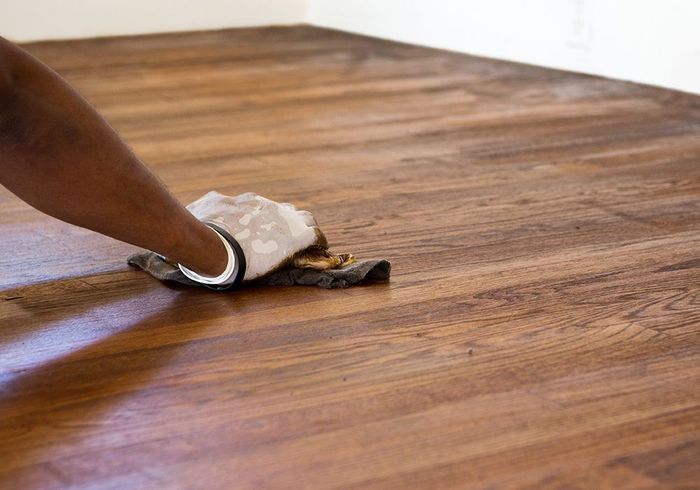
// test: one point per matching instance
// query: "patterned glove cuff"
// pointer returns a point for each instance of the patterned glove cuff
(240, 267)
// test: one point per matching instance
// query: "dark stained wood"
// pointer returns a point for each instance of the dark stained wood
(541, 329)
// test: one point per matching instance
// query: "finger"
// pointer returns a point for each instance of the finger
(308, 218)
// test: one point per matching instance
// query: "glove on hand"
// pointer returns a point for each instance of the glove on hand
(282, 246)
(271, 234)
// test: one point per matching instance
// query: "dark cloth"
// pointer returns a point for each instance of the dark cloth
(359, 272)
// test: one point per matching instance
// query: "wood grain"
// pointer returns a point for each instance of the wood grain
(540, 329)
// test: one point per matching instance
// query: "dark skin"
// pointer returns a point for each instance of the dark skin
(61, 157)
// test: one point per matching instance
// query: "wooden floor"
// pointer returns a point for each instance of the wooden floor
(541, 328)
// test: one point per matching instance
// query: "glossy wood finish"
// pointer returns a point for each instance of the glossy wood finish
(541, 329)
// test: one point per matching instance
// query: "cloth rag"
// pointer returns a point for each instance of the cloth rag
(349, 275)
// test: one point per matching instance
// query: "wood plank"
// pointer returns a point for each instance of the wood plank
(540, 329)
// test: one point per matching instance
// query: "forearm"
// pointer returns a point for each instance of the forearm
(60, 156)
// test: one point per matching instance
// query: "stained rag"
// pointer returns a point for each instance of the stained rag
(355, 273)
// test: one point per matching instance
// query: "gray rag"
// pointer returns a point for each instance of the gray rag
(366, 270)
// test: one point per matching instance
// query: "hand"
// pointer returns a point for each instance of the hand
(270, 233)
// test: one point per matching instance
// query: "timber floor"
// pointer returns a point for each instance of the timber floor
(541, 328)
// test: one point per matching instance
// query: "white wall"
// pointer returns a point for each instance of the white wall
(649, 41)
(28, 20)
